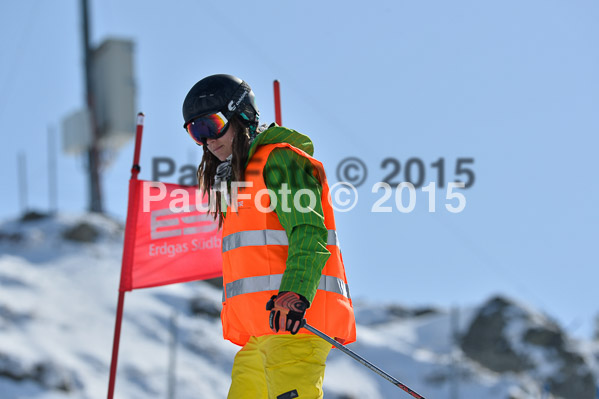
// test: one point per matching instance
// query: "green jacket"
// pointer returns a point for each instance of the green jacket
(306, 232)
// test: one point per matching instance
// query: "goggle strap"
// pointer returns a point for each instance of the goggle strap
(242, 92)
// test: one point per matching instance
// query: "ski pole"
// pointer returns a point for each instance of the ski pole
(360, 359)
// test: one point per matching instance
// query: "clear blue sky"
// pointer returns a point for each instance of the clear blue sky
(513, 85)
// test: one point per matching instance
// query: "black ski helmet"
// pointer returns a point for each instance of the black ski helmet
(221, 93)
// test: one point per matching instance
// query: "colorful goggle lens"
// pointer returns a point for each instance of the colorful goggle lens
(210, 126)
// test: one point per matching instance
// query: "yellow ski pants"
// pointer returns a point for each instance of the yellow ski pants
(280, 367)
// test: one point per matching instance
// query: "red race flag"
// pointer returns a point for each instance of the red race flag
(170, 236)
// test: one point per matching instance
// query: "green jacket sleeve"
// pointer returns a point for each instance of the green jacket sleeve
(286, 173)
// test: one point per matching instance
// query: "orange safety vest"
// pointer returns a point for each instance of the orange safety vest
(255, 247)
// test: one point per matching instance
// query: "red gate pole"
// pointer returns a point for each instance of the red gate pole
(277, 89)
(131, 217)
(115, 343)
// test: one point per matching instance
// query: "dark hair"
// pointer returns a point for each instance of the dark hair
(209, 163)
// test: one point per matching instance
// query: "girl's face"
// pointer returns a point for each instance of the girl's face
(223, 146)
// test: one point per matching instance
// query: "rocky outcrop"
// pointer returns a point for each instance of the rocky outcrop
(45, 373)
(507, 337)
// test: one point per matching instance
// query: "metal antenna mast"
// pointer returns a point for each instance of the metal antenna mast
(95, 189)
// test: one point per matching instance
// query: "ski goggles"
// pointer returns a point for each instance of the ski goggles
(211, 126)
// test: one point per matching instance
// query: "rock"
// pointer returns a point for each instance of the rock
(81, 232)
(507, 337)
(486, 342)
(215, 282)
(45, 373)
(30, 216)
(204, 306)
(13, 237)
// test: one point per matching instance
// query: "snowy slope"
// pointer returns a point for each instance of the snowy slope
(57, 311)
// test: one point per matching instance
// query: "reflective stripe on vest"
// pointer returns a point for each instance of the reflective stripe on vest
(264, 237)
(249, 285)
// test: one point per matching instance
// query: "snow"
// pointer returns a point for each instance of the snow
(57, 313)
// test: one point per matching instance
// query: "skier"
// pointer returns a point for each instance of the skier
(280, 250)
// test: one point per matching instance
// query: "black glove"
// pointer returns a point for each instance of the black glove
(287, 311)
